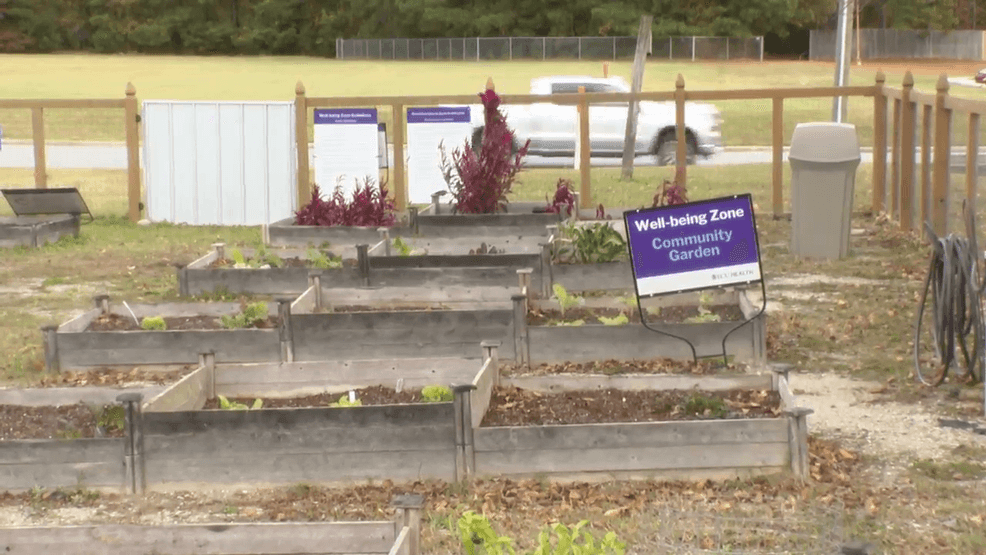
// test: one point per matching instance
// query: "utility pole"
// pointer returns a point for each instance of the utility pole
(842, 60)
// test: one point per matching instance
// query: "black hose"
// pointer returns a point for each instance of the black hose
(955, 284)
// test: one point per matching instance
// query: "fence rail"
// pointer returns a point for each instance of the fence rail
(546, 48)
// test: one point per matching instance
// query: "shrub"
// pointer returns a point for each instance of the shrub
(479, 182)
(369, 206)
(564, 198)
(153, 323)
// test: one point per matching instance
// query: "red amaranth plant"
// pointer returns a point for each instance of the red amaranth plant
(671, 193)
(369, 207)
(479, 182)
(564, 198)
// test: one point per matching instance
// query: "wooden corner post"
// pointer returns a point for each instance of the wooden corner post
(681, 154)
(939, 185)
(409, 507)
(584, 153)
(301, 143)
(132, 121)
(400, 183)
(907, 155)
(879, 144)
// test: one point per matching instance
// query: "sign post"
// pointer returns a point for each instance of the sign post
(688, 247)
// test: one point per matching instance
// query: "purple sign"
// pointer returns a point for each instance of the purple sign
(346, 115)
(446, 114)
(699, 245)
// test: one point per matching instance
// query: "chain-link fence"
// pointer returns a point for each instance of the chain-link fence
(546, 48)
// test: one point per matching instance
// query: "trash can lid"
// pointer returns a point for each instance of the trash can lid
(824, 142)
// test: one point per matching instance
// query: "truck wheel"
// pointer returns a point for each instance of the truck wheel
(667, 149)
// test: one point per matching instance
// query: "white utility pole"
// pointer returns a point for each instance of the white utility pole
(843, 47)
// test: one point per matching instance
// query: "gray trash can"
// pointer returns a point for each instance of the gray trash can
(824, 157)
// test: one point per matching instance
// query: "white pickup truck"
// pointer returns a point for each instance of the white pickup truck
(553, 128)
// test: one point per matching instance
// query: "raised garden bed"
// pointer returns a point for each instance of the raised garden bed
(36, 231)
(79, 420)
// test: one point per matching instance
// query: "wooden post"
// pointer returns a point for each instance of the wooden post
(637, 83)
(879, 145)
(585, 152)
(681, 155)
(135, 480)
(284, 329)
(895, 160)
(605, 70)
(400, 185)
(524, 282)
(301, 143)
(412, 217)
(385, 237)
(50, 339)
(38, 134)
(907, 155)
(972, 160)
(943, 131)
(546, 279)
(315, 280)
(102, 302)
(522, 353)
(132, 123)
(207, 360)
(777, 141)
(491, 351)
(409, 508)
(926, 124)
(363, 263)
(465, 459)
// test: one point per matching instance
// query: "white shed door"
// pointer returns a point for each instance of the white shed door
(219, 163)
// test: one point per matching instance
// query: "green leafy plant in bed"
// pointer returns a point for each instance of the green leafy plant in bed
(318, 259)
(260, 258)
(589, 244)
(251, 314)
(478, 536)
(565, 299)
(112, 418)
(403, 249)
(619, 320)
(703, 405)
(226, 404)
(153, 323)
(704, 313)
(436, 394)
(344, 401)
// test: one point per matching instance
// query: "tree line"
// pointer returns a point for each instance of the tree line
(310, 27)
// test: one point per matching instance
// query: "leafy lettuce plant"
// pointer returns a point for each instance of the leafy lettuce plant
(620, 320)
(480, 181)
(370, 206)
(153, 323)
(598, 242)
(322, 261)
(436, 394)
(226, 404)
(565, 299)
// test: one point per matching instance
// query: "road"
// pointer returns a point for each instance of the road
(113, 156)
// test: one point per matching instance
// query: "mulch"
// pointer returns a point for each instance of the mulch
(612, 367)
(668, 314)
(116, 322)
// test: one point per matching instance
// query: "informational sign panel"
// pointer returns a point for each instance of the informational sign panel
(699, 245)
(426, 129)
(346, 146)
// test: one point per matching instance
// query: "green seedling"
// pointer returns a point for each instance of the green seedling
(237, 257)
(702, 405)
(226, 404)
(620, 320)
(112, 417)
(436, 394)
(403, 249)
(565, 300)
(320, 260)
(573, 323)
(346, 401)
(253, 313)
(153, 323)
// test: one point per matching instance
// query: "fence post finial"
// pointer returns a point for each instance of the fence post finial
(131, 90)
(908, 79)
(679, 83)
(299, 89)
(880, 77)
(942, 85)
(489, 84)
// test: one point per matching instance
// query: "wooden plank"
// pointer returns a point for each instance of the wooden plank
(512, 244)
(168, 310)
(256, 441)
(38, 138)
(593, 277)
(805, 92)
(402, 543)
(638, 382)
(400, 348)
(436, 321)
(634, 434)
(189, 393)
(283, 469)
(25, 464)
(425, 414)
(59, 450)
(664, 474)
(305, 303)
(480, 397)
(420, 295)
(531, 220)
(879, 146)
(787, 398)
(80, 322)
(166, 347)
(304, 378)
(446, 261)
(442, 277)
(204, 261)
(632, 459)
(966, 105)
(254, 538)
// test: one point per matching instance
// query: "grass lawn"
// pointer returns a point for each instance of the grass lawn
(746, 122)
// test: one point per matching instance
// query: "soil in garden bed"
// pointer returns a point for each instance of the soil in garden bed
(374, 395)
(62, 422)
(511, 406)
(667, 314)
(292, 262)
(615, 367)
(116, 377)
(116, 322)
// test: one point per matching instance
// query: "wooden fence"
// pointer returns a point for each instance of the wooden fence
(131, 122)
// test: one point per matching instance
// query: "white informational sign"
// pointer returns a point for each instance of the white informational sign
(346, 146)
(426, 129)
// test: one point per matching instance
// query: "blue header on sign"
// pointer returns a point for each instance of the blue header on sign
(346, 115)
(447, 114)
(694, 239)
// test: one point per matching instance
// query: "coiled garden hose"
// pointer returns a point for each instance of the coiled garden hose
(955, 285)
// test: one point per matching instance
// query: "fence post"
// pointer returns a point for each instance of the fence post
(385, 237)
(693, 48)
(132, 121)
(585, 152)
(879, 144)
(895, 160)
(943, 131)
(926, 123)
(972, 159)
(400, 187)
(207, 360)
(301, 142)
(907, 155)
(465, 456)
(546, 276)
(409, 506)
(284, 329)
(490, 351)
(133, 446)
(315, 280)
(102, 302)
(777, 141)
(681, 155)
(522, 353)
(363, 263)
(38, 135)
(798, 437)
(50, 338)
